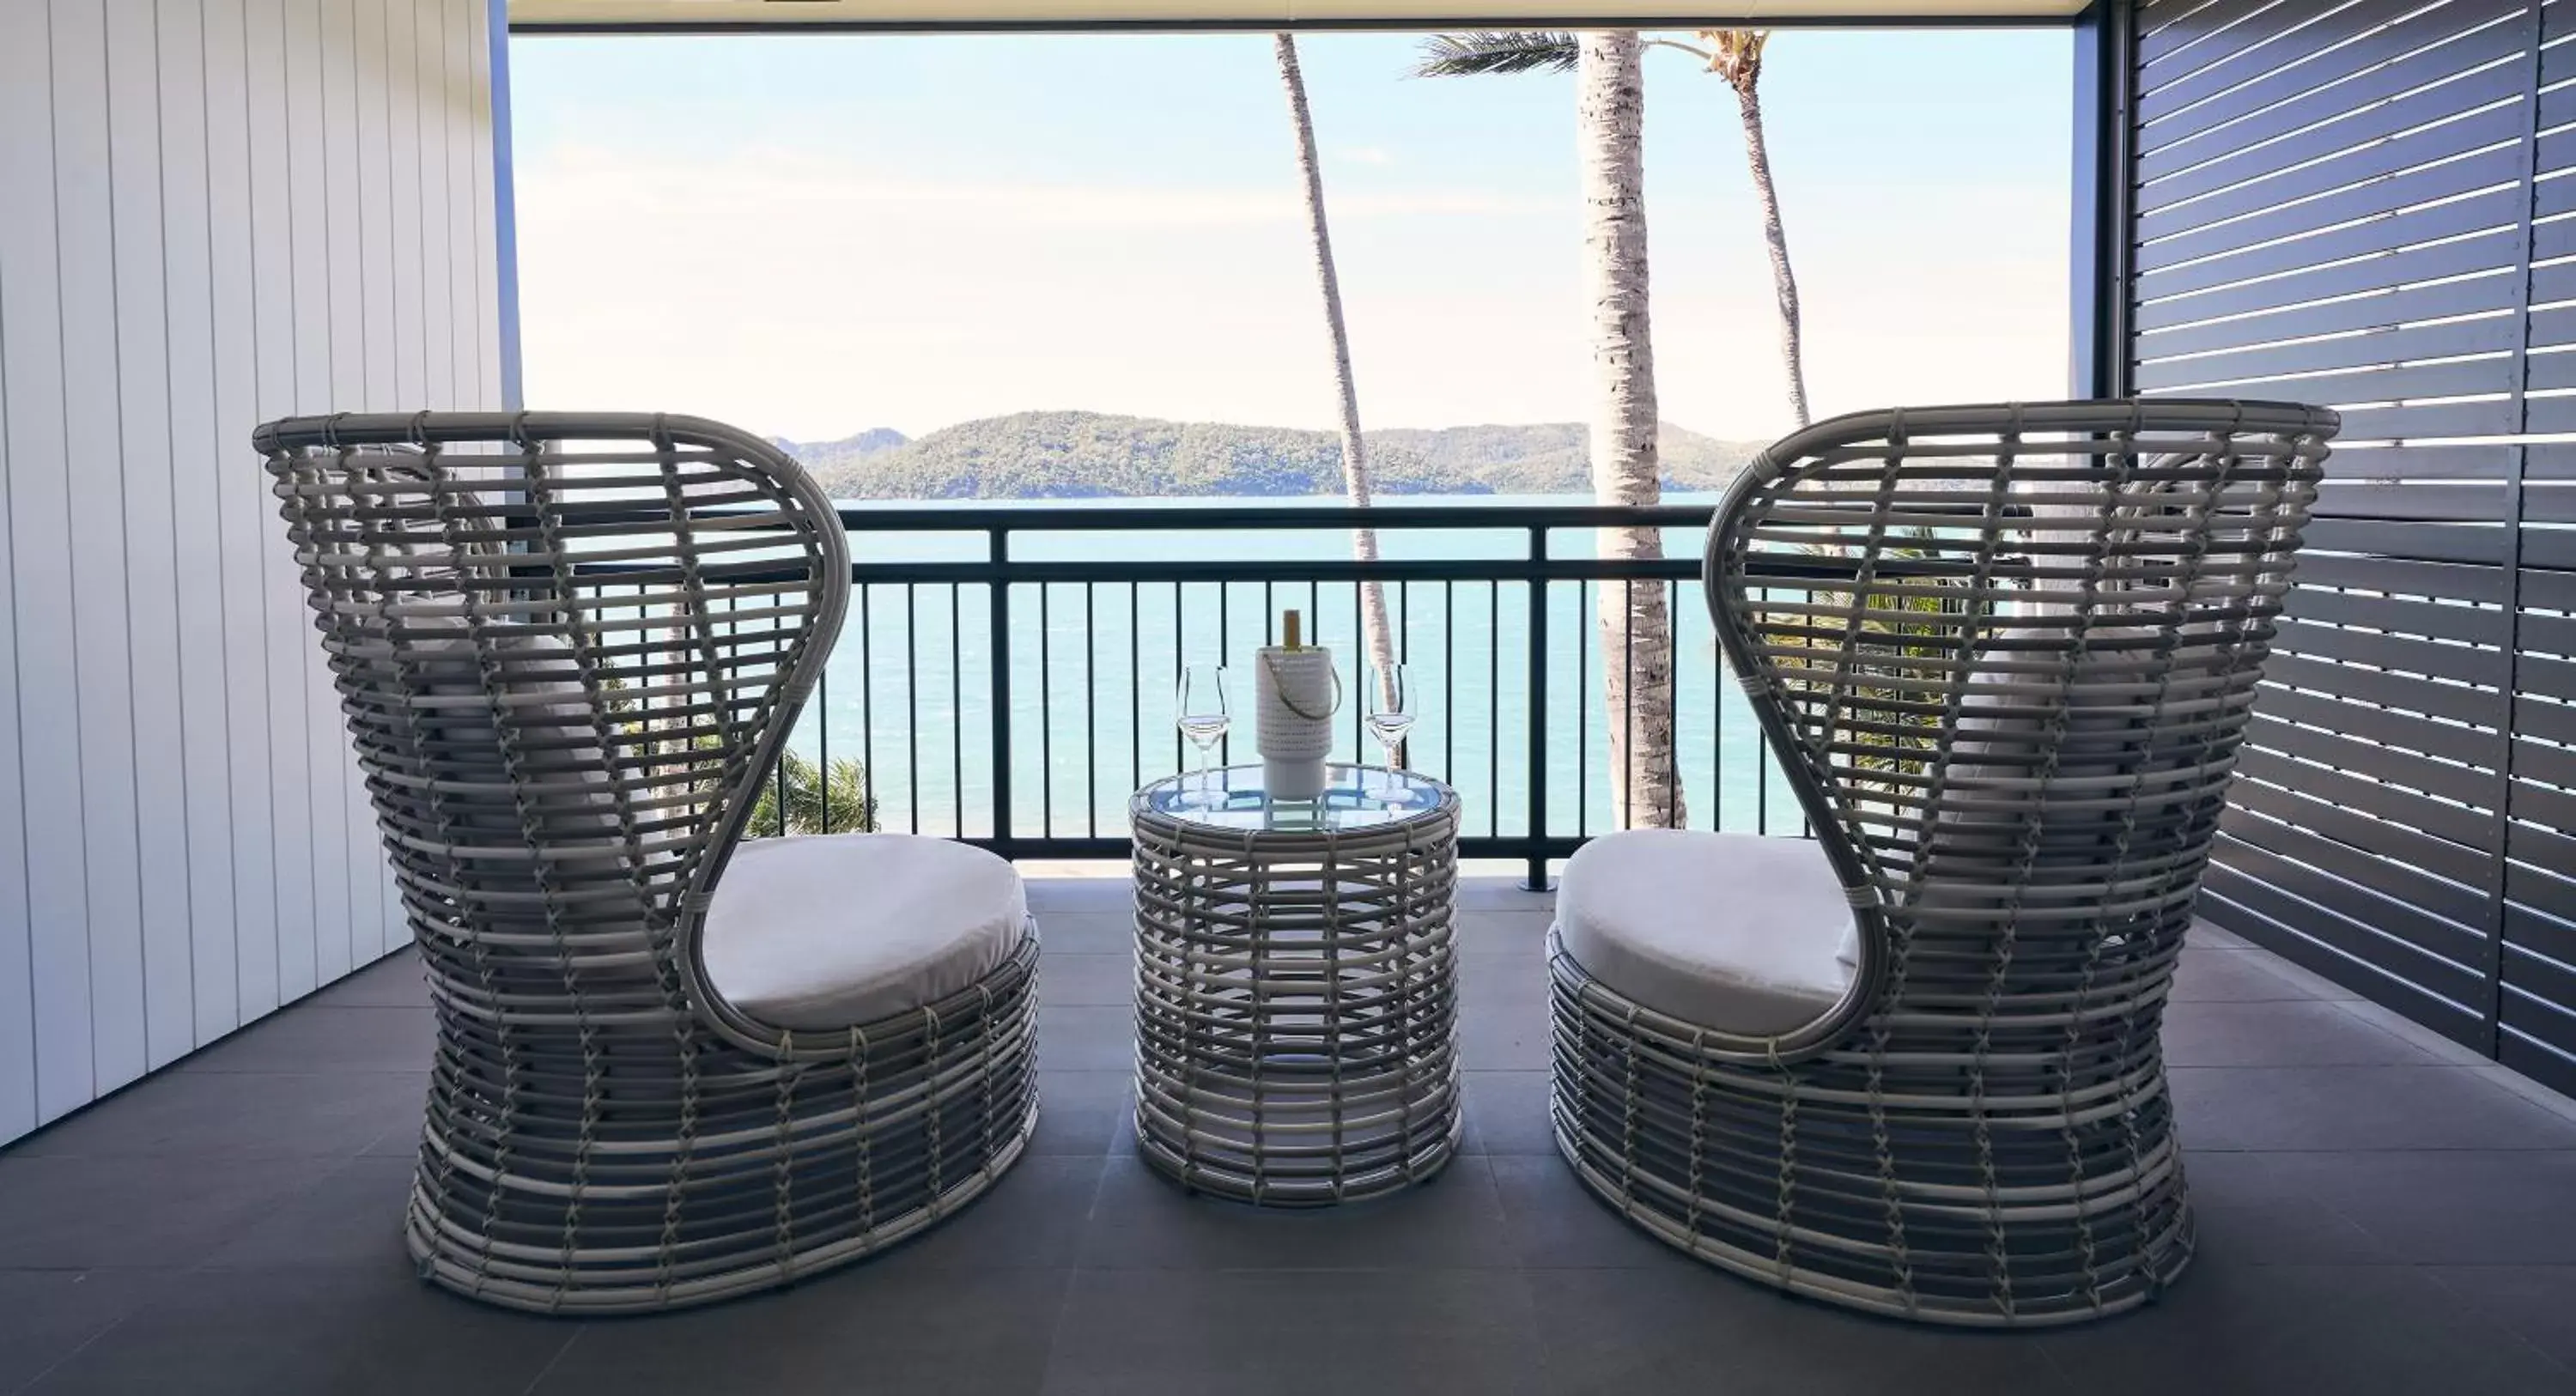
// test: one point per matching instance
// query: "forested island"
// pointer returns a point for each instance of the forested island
(1059, 455)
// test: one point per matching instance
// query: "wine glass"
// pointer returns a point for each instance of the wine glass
(1201, 712)
(1390, 713)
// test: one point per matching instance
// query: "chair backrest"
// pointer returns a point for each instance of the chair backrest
(568, 647)
(2006, 655)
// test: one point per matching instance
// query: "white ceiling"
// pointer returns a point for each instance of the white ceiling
(1073, 14)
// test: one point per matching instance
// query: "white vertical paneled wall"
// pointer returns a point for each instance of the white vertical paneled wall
(212, 212)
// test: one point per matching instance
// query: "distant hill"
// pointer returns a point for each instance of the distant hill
(866, 443)
(1058, 455)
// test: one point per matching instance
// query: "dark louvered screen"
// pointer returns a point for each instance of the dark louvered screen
(2372, 205)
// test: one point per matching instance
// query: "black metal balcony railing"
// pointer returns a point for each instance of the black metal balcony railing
(1006, 676)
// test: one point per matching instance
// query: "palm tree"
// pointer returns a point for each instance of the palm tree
(1636, 625)
(1355, 467)
(1736, 55)
(1732, 54)
(814, 804)
(812, 801)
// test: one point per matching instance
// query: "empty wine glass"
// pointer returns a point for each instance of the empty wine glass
(1390, 713)
(1201, 711)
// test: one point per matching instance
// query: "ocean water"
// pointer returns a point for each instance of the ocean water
(1093, 669)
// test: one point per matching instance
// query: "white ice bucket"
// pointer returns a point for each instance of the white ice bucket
(1295, 695)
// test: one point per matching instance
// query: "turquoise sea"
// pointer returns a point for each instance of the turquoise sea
(909, 687)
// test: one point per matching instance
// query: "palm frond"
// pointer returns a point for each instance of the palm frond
(1736, 55)
(1496, 51)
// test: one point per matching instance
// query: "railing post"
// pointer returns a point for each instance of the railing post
(998, 646)
(1535, 878)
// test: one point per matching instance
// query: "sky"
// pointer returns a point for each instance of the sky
(811, 235)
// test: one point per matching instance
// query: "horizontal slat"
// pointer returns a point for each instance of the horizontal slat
(2465, 705)
(2545, 676)
(2543, 718)
(2488, 375)
(2551, 370)
(2362, 312)
(2187, 46)
(2553, 283)
(2540, 804)
(2192, 237)
(2349, 753)
(2549, 547)
(2440, 915)
(2549, 461)
(2550, 415)
(2383, 651)
(2451, 37)
(2370, 162)
(2261, 154)
(2424, 542)
(2556, 151)
(2554, 591)
(2540, 761)
(2492, 417)
(2536, 989)
(2244, 53)
(2365, 499)
(2557, 108)
(2386, 726)
(2400, 939)
(2555, 238)
(2553, 194)
(2552, 327)
(2540, 633)
(2341, 915)
(2467, 828)
(2364, 350)
(2557, 20)
(2483, 252)
(2496, 208)
(2156, 15)
(2545, 502)
(2440, 857)
(2447, 581)
(2320, 956)
(2362, 460)
(2472, 624)
(2541, 674)
(2538, 877)
(2556, 1070)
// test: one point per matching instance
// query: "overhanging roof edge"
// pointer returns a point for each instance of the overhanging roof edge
(751, 16)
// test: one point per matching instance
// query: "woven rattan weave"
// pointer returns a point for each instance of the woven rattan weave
(2007, 656)
(568, 648)
(1296, 993)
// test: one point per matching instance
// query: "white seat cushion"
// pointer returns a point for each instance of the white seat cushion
(844, 929)
(1730, 931)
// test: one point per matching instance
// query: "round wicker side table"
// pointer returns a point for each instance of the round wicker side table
(1296, 990)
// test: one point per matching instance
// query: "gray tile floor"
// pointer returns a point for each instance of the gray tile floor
(2380, 1212)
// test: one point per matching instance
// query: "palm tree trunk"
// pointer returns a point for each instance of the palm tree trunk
(1784, 286)
(1636, 625)
(1355, 469)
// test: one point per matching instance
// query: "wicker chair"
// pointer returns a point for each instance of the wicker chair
(2006, 656)
(568, 649)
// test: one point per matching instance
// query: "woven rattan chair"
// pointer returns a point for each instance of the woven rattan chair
(568, 649)
(2006, 656)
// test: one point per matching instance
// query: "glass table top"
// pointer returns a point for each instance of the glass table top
(1235, 797)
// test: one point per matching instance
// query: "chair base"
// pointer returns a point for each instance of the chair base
(2030, 1210)
(665, 1168)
